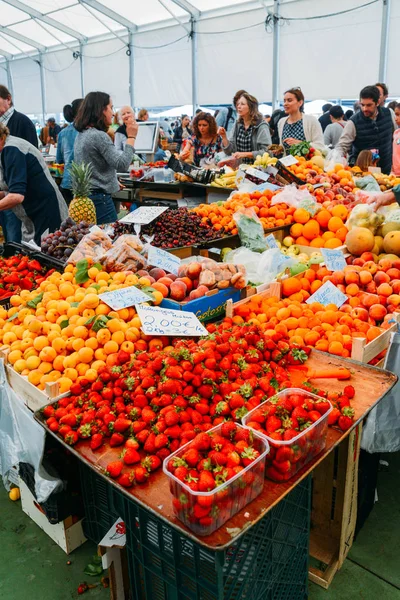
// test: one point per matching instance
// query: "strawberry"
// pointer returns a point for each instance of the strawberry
(343, 401)
(249, 455)
(121, 425)
(272, 424)
(284, 453)
(126, 479)
(130, 456)
(114, 468)
(48, 411)
(192, 457)
(151, 463)
(288, 434)
(322, 406)
(229, 430)
(71, 438)
(333, 416)
(148, 415)
(150, 444)
(200, 511)
(218, 458)
(69, 419)
(218, 442)
(132, 443)
(142, 436)
(346, 419)
(160, 441)
(141, 474)
(96, 441)
(181, 472)
(173, 432)
(349, 391)
(206, 481)
(205, 465)
(314, 415)
(202, 442)
(162, 453)
(171, 418)
(300, 413)
(117, 439)
(85, 431)
(233, 459)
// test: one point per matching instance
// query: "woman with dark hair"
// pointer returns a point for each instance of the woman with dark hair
(298, 127)
(348, 114)
(251, 135)
(205, 142)
(94, 146)
(65, 146)
(183, 132)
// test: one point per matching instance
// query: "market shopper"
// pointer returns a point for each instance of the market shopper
(383, 96)
(125, 114)
(204, 143)
(94, 146)
(333, 132)
(31, 192)
(182, 132)
(325, 118)
(50, 131)
(250, 136)
(298, 127)
(143, 115)
(396, 142)
(19, 125)
(276, 116)
(65, 147)
(369, 128)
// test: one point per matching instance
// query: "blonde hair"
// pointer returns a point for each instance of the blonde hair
(142, 113)
(4, 131)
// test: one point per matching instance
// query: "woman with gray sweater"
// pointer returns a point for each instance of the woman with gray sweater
(94, 146)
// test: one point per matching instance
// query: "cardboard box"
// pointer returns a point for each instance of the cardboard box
(66, 534)
(114, 558)
(208, 307)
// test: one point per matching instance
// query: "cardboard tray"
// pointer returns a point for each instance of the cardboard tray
(210, 306)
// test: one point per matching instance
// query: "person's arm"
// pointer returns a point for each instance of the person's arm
(59, 153)
(178, 135)
(15, 176)
(385, 198)
(228, 145)
(119, 140)
(316, 134)
(346, 139)
(120, 161)
(327, 136)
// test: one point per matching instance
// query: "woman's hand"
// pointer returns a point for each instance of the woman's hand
(132, 127)
(382, 199)
(291, 141)
(242, 155)
(222, 132)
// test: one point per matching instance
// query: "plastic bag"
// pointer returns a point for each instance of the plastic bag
(94, 245)
(22, 440)
(368, 183)
(298, 198)
(381, 432)
(260, 268)
(251, 231)
(364, 215)
(334, 157)
(124, 255)
(214, 275)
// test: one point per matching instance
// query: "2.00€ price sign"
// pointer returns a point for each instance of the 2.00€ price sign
(163, 321)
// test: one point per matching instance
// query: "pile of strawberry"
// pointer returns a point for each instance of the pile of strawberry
(207, 463)
(18, 273)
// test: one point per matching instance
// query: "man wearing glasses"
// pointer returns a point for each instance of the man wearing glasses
(370, 127)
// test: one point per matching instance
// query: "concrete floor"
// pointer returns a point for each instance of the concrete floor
(34, 567)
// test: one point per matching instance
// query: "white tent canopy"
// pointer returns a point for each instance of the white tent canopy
(186, 109)
(174, 52)
(315, 107)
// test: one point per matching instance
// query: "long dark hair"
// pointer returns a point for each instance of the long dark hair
(298, 94)
(203, 116)
(71, 110)
(91, 112)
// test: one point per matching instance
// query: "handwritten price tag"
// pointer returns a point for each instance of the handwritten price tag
(328, 294)
(334, 259)
(124, 297)
(163, 260)
(271, 241)
(288, 160)
(163, 321)
(144, 214)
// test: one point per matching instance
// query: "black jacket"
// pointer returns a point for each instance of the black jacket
(372, 134)
(325, 120)
(178, 135)
(21, 126)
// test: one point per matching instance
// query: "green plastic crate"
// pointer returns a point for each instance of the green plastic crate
(269, 562)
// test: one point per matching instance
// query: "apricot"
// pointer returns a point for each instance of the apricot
(367, 256)
(369, 300)
(352, 289)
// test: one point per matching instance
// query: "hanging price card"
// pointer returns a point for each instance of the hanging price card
(124, 297)
(163, 260)
(163, 321)
(334, 259)
(144, 214)
(271, 241)
(328, 294)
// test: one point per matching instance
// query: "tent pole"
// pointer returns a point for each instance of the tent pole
(9, 78)
(275, 56)
(384, 40)
(43, 88)
(131, 70)
(82, 71)
(194, 64)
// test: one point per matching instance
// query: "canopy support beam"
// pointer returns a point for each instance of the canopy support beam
(131, 57)
(9, 78)
(193, 36)
(82, 70)
(383, 57)
(22, 38)
(276, 55)
(188, 7)
(42, 88)
(110, 14)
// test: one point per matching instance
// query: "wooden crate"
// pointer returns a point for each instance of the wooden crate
(366, 351)
(334, 509)
(273, 289)
(26, 391)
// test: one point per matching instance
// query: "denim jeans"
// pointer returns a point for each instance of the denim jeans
(11, 226)
(105, 209)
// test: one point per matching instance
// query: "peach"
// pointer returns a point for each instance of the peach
(392, 309)
(327, 278)
(385, 263)
(384, 290)
(188, 282)
(354, 300)
(352, 277)
(178, 290)
(369, 300)
(346, 308)
(396, 264)
(352, 289)
(371, 287)
(341, 287)
(172, 276)
(359, 262)
(360, 313)
(393, 273)
(393, 300)
(338, 277)
(166, 281)
(383, 300)
(142, 273)
(371, 267)
(377, 312)
(365, 277)
(203, 289)
(194, 270)
(157, 273)
(366, 256)
(381, 277)
(161, 288)
(194, 295)
(395, 286)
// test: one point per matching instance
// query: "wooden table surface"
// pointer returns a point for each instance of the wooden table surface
(371, 385)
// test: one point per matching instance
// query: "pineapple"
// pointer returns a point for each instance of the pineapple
(81, 207)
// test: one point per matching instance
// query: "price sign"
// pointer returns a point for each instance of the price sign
(328, 294)
(334, 259)
(163, 260)
(271, 241)
(163, 321)
(144, 214)
(257, 173)
(124, 297)
(288, 160)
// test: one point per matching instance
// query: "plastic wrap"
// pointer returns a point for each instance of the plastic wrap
(251, 231)
(214, 275)
(364, 215)
(298, 198)
(261, 268)
(381, 432)
(93, 246)
(334, 157)
(22, 440)
(124, 255)
(368, 183)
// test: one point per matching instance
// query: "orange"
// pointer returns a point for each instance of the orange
(328, 235)
(301, 215)
(296, 230)
(318, 242)
(335, 223)
(290, 286)
(323, 217)
(340, 211)
(302, 241)
(311, 229)
(341, 233)
(332, 243)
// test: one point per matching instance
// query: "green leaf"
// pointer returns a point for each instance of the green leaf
(75, 304)
(90, 321)
(13, 317)
(100, 322)
(82, 267)
(33, 303)
(98, 266)
(96, 286)
(93, 570)
(64, 324)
